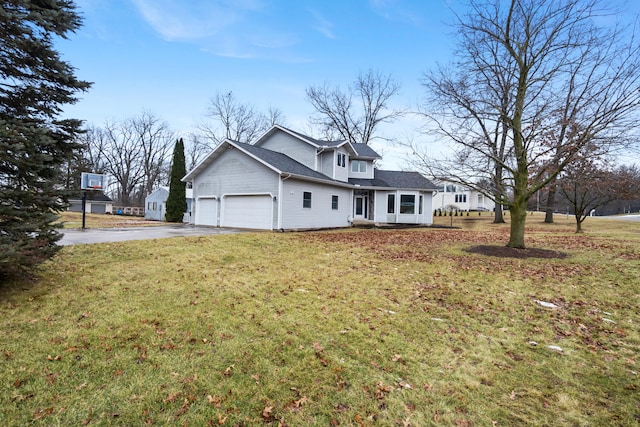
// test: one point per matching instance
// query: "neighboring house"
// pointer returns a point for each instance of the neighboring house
(463, 198)
(97, 202)
(156, 204)
(290, 181)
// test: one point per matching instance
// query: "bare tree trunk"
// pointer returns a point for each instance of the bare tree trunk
(518, 211)
(551, 202)
(498, 218)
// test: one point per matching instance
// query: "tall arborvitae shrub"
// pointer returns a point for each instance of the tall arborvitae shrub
(177, 201)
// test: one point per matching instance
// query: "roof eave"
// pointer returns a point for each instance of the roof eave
(314, 179)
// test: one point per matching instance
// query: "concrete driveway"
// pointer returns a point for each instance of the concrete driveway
(104, 235)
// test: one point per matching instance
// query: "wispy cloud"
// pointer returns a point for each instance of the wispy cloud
(395, 10)
(190, 20)
(323, 25)
(230, 28)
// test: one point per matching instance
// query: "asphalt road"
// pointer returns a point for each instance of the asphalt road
(104, 235)
(634, 217)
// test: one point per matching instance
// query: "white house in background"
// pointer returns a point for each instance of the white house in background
(463, 198)
(97, 202)
(290, 181)
(156, 204)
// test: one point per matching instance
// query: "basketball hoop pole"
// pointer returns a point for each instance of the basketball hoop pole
(84, 207)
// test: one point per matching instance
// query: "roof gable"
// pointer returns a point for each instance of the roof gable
(281, 162)
(278, 162)
(277, 128)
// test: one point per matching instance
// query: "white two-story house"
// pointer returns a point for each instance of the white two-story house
(289, 181)
(460, 197)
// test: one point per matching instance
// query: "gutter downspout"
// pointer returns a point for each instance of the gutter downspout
(280, 194)
(318, 152)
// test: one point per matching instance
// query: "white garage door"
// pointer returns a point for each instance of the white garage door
(248, 212)
(207, 212)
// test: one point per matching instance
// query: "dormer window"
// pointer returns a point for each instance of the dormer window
(342, 159)
(358, 166)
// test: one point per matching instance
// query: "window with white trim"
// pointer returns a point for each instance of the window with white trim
(358, 166)
(334, 203)
(306, 199)
(391, 203)
(407, 204)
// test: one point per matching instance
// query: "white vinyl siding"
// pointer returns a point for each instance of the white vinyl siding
(154, 204)
(235, 173)
(321, 214)
(292, 147)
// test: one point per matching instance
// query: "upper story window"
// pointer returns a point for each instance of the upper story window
(342, 159)
(358, 166)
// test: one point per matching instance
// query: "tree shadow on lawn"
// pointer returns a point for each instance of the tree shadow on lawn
(507, 252)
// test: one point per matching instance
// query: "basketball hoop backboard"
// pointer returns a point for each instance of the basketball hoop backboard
(92, 181)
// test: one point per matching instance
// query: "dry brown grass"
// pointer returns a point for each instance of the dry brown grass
(349, 327)
(74, 220)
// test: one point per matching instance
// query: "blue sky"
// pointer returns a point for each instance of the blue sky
(169, 57)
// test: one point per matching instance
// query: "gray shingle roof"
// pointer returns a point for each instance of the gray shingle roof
(395, 179)
(95, 196)
(282, 162)
(363, 150)
(318, 142)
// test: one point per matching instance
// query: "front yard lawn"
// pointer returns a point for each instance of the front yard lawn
(349, 327)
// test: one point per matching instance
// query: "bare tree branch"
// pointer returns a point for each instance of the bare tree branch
(338, 115)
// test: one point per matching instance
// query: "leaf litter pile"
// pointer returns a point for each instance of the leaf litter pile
(360, 327)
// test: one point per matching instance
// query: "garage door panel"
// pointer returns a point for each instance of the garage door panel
(248, 212)
(207, 212)
(98, 209)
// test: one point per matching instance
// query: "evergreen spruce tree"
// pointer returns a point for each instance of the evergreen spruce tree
(35, 84)
(177, 201)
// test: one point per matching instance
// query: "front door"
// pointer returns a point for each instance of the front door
(361, 207)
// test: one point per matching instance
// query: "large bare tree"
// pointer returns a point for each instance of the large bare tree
(156, 144)
(339, 114)
(134, 152)
(228, 118)
(534, 83)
